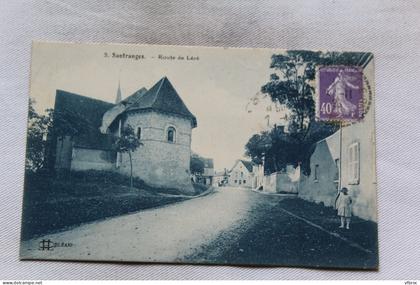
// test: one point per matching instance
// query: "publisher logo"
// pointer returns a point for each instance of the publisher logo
(48, 245)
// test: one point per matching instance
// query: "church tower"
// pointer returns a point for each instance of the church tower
(119, 96)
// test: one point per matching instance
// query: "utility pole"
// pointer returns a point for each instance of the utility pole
(340, 157)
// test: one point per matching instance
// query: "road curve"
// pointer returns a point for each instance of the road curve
(165, 234)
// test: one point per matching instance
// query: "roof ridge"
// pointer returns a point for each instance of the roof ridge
(133, 96)
(157, 92)
(163, 97)
(245, 163)
(60, 92)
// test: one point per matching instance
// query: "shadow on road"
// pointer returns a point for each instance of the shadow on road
(271, 236)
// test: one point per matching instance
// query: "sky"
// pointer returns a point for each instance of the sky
(217, 87)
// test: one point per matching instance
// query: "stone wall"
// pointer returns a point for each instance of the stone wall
(281, 182)
(158, 162)
(86, 159)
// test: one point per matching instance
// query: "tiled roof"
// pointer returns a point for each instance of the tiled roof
(163, 97)
(87, 110)
(248, 165)
(135, 97)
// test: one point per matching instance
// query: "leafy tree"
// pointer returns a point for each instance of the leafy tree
(44, 129)
(38, 126)
(196, 164)
(274, 148)
(291, 84)
(277, 148)
(128, 143)
(258, 146)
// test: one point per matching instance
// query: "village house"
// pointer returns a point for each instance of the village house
(204, 175)
(220, 178)
(161, 121)
(241, 174)
(355, 145)
(208, 172)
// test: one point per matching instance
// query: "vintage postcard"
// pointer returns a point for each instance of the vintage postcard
(171, 154)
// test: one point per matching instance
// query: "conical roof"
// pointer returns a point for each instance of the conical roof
(164, 98)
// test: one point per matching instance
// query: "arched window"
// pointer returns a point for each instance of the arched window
(316, 172)
(138, 133)
(171, 133)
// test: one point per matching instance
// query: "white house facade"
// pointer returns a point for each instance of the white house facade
(241, 174)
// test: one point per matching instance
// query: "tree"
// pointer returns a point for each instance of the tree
(275, 148)
(38, 126)
(44, 129)
(291, 84)
(128, 143)
(258, 146)
(196, 164)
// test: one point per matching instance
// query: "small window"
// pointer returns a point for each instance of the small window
(316, 172)
(236, 181)
(171, 134)
(138, 133)
(244, 181)
(354, 163)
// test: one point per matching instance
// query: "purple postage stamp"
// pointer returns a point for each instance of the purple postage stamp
(340, 93)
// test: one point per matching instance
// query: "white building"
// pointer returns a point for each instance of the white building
(208, 171)
(241, 174)
(220, 178)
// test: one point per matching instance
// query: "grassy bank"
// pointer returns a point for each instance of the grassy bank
(56, 202)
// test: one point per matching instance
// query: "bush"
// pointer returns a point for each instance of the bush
(200, 188)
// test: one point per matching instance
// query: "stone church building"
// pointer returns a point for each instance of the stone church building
(160, 119)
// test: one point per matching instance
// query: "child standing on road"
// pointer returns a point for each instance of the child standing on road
(343, 205)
